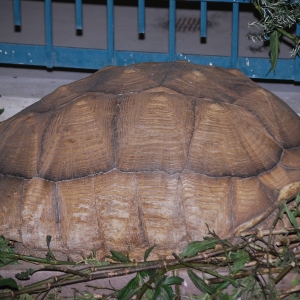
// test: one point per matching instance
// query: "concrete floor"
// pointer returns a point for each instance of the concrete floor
(20, 86)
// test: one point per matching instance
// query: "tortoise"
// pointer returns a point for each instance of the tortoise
(145, 154)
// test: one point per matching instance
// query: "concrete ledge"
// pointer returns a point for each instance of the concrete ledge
(12, 105)
(27, 87)
(20, 92)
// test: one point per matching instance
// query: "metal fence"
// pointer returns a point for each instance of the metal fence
(51, 56)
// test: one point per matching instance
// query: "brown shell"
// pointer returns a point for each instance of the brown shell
(144, 154)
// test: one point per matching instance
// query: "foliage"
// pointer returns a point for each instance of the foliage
(248, 269)
(5, 247)
(278, 16)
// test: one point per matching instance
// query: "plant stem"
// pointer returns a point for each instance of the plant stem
(35, 259)
(293, 38)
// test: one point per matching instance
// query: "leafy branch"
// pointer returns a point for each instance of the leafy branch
(277, 17)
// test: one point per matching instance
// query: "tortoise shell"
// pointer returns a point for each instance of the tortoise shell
(143, 154)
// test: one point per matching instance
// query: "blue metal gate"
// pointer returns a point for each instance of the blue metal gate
(70, 57)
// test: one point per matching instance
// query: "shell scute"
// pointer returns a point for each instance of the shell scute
(39, 215)
(153, 132)
(229, 141)
(78, 140)
(212, 197)
(25, 131)
(11, 206)
(275, 115)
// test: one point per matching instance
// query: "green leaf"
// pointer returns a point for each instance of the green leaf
(5, 250)
(249, 286)
(25, 275)
(173, 280)
(298, 199)
(226, 296)
(195, 247)
(291, 218)
(1, 110)
(48, 240)
(86, 295)
(160, 280)
(240, 257)
(157, 293)
(97, 262)
(143, 274)
(220, 287)
(281, 210)
(8, 283)
(168, 290)
(148, 251)
(274, 49)
(49, 255)
(127, 294)
(161, 293)
(199, 283)
(234, 282)
(118, 256)
(130, 289)
(296, 213)
(295, 282)
(149, 294)
(150, 273)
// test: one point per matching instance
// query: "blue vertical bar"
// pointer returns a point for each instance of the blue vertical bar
(78, 14)
(297, 58)
(235, 35)
(203, 19)
(110, 32)
(172, 29)
(141, 16)
(17, 13)
(48, 33)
